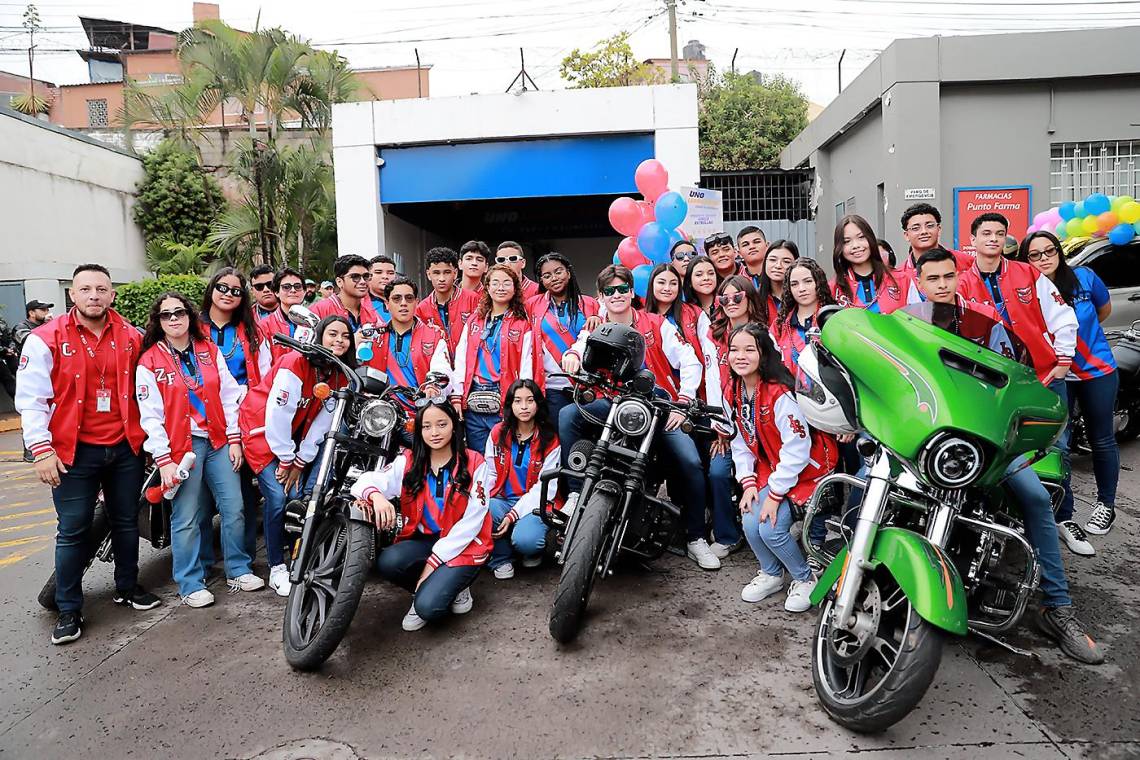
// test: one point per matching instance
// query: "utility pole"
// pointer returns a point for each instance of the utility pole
(671, 6)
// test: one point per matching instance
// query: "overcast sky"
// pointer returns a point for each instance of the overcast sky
(472, 45)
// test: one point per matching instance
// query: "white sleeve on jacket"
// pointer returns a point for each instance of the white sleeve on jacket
(459, 376)
(492, 473)
(795, 449)
(152, 415)
(280, 406)
(388, 480)
(743, 460)
(34, 394)
(264, 358)
(232, 394)
(441, 362)
(579, 347)
(532, 499)
(451, 544)
(681, 355)
(1060, 319)
(526, 369)
(713, 395)
(314, 436)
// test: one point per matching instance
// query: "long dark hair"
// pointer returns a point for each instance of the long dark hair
(788, 303)
(879, 270)
(765, 280)
(758, 311)
(542, 423)
(416, 475)
(349, 357)
(154, 333)
(515, 307)
(1064, 278)
(243, 314)
(651, 302)
(771, 368)
(687, 285)
(573, 292)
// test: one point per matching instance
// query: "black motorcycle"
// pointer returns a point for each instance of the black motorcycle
(618, 510)
(1126, 415)
(335, 541)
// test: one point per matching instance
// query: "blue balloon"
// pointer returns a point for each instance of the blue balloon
(617, 259)
(641, 279)
(1121, 234)
(670, 209)
(1079, 210)
(653, 241)
(1067, 210)
(1097, 204)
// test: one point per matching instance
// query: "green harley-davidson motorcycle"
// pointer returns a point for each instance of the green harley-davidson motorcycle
(936, 545)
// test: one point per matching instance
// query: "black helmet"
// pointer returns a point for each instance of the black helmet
(617, 348)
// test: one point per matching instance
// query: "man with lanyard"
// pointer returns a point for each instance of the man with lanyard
(75, 395)
(447, 307)
(474, 260)
(719, 248)
(264, 298)
(290, 289)
(511, 253)
(383, 272)
(351, 302)
(753, 247)
(408, 348)
(938, 279)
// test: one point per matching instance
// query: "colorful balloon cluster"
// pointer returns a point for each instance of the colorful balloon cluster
(1116, 217)
(651, 226)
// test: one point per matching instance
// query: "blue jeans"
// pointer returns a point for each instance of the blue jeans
(1060, 387)
(527, 537)
(119, 472)
(1037, 513)
(557, 400)
(503, 550)
(274, 498)
(1097, 399)
(251, 501)
(402, 562)
(678, 455)
(773, 545)
(213, 470)
(479, 426)
(718, 493)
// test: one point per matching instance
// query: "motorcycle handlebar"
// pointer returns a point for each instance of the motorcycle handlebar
(321, 354)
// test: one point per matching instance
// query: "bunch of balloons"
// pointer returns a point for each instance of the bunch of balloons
(1116, 217)
(651, 226)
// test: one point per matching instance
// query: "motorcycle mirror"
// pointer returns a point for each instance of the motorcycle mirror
(302, 317)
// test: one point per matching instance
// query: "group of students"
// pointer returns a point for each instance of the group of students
(726, 326)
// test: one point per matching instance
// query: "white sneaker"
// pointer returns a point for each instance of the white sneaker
(700, 553)
(412, 621)
(279, 580)
(721, 551)
(199, 598)
(463, 602)
(761, 587)
(247, 582)
(504, 572)
(799, 595)
(532, 561)
(1073, 536)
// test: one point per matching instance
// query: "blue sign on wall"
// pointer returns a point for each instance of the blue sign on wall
(591, 165)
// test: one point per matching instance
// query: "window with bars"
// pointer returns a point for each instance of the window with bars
(762, 194)
(97, 113)
(1076, 169)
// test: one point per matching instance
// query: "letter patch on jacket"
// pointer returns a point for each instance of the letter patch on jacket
(428, 348)
(23, 362)
(283, 398)
(1025, 295)
(797, 426)
(143, 392)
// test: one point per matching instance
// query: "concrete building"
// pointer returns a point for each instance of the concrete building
(537, 167)
(1016, 122)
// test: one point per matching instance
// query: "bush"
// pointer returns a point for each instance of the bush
(177, 201)
(134, 299)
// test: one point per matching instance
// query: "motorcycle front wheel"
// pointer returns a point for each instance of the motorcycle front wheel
(321, 606)
(581, 567)
(872, 676)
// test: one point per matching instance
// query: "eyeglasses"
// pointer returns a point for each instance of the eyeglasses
(610, 290)
(509, 258)
(430, 401)
(718, 239)
(559, 272)
(291, 287)
(228, 290)
(1044, 253)
(358, 276)
(929, 227)
(260, 286)
(403, 298)
(733, 298)
(173, 314)
(684, 255)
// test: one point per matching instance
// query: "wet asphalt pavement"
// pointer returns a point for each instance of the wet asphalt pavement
(671, 664)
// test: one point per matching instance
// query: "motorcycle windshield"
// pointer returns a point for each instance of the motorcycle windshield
(913, 379)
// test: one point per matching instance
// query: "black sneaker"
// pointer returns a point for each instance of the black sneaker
(68, 628)
(139, 598)
(1061, 625)
(1101, 520)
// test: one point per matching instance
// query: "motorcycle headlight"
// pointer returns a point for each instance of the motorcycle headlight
(377, 418)
(952, 461)
(633, 418)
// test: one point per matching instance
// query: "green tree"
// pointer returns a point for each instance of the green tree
(745, 120)
(610, 63)
(134, 299)
(165, 256)
(177, 200)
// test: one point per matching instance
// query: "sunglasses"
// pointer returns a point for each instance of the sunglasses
(684, 255)
(260, 286)
(408, 298)
(358, 276)
(510, 258)
(173, 314)
(430, 401)
(291, 287)
(715, 240)
(734, 299)
(1045, 253)
(611, 290)
(228, 290)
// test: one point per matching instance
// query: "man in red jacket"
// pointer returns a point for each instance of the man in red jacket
(75, 395)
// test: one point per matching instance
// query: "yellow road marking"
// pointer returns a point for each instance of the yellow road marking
(14, 558)
(32, 513)
(15, 504)
(17, 528)
(22, 541)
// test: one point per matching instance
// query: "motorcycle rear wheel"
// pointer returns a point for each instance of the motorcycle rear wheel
(321, 606)
(870, 679)
(581, 567)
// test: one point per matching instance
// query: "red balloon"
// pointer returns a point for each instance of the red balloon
(629, 254)
(625, 215)
(648, 212)
(651, 179)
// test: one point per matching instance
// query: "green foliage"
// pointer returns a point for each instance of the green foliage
(177, 200)
(165, 256)
(610, 63)
(30, 104)
(134, 299)
(745, 120)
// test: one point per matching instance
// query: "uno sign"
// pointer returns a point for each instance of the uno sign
(1015, 203)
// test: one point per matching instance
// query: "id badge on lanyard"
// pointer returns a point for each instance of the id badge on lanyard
(102, 400)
